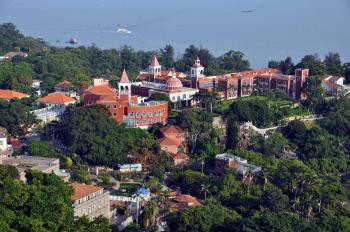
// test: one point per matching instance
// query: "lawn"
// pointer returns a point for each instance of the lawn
(289, 107)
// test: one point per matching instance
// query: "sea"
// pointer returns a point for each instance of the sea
(263, 30)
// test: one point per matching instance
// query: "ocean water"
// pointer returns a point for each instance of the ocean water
(274, 30)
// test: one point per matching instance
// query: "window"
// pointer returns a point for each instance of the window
(150, 114)
(184, 96)
(137, 122)
(155, 113)
(137, 114)
(173, 98)
(115, 106)
(143, 121)
(114, 114)
(143, 114)
(131, 114)
(155, 120)
(149, 121)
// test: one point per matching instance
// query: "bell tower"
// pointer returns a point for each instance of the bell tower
(124, 85)
(154, 69)
(197, 71)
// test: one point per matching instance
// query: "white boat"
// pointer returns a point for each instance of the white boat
(123, 30)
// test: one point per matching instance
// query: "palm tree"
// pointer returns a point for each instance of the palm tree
(213, 98)
(150, 212)
(205, 189)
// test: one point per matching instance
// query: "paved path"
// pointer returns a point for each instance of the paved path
(263, 131)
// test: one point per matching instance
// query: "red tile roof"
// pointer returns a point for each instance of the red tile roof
(10, 94)
(171, 129)
(64, 83)
(57, 98)
(101, 90)
(108, 98)
(187, 199)
(124, 78)
(83, 190)
(169, 142)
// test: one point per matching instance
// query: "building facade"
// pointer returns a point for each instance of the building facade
(173, 139)
(334, 85)
(91, 201)
(125, 107)
(224, 161)
(173, 84)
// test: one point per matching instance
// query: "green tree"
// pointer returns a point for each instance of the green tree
(234, 61)
(167, 56)
(41, 148)
(16, 117)
(333, 64)
(104, 141)
(314, 64)
(274, 199)
(232, 132)
(150, 211)
(10, 37)
(199, 125)
(314, 92)
(203, 218)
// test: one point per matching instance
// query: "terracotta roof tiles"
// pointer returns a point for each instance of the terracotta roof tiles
(57, 98)
(101, 90)
(64, 83)
(83, 190)
(171, 129)
(10, 94)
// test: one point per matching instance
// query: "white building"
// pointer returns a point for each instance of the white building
(334, 85)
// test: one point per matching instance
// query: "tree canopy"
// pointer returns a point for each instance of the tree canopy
(95, 137)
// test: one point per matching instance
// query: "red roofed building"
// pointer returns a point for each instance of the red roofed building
(7, 95)
(170, 83)
(227, 86)
(57, 100)
(66, 87)
(173, 139)
(124, 107)
(334, 84)
(91, 201)
(184, 201)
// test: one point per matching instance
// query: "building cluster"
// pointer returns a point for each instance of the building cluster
(125, 107)
(181, 88)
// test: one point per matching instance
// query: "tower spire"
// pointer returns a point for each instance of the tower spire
(124, 78)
